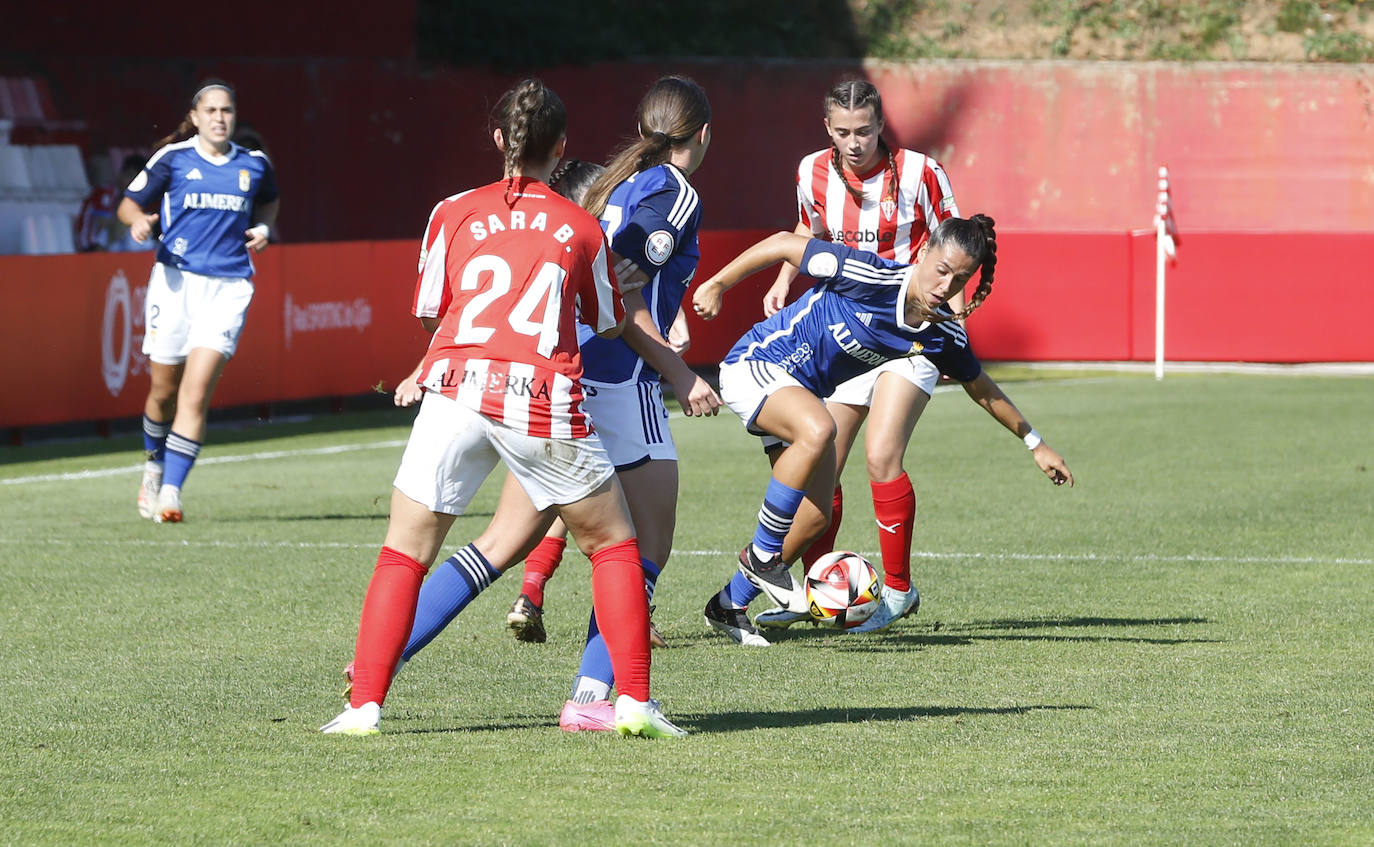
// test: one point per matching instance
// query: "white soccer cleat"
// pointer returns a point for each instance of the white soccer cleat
(636, 717)
(364, 720)
(168, 508)
(782, 618)
(148, 489)
(895, 604)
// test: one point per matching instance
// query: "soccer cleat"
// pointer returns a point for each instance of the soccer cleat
(655, 637)
(364, 720)
(734, 623)
(526, 621)
(773, 578)
(168, 508)
(895, 604)
(635, 717)
(782, 618)
(148, 489)
(596, 716)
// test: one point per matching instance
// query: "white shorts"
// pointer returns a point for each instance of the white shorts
(185, 310)
(452, 449)
(745, 384)
(632, 422)
(858, 391)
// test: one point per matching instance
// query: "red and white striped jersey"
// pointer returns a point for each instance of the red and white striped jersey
(508, 281)
(891, 223)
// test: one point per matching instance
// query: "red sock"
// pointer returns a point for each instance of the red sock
(894, 507)
(540, 564)
(826, 542)
(388, 614)
(622, 613)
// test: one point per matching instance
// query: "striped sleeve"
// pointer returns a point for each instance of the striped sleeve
(431, 289)
(599, 305)
(939, 192)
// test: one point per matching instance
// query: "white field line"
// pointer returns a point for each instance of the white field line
(187, 543)
(209, 460)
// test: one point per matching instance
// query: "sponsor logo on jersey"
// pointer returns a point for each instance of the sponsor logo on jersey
(947, 203)
(222, 202)
(194, 174)
(796, 358)
(889, 207)
(865, 318)
(822, 265)
(245, 180)
(856, 238)
(850, 345)
(659, 246)
(495, 383)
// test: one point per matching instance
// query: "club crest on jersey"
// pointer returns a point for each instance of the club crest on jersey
(917, 348)
(245, 180)
(889, 207)
(659, 246)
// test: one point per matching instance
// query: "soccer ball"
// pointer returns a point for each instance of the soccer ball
(843, 589)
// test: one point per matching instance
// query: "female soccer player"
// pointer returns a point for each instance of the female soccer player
(507, 271)
(862, 193)
(218, 203)
(865, 311)
(651, 214)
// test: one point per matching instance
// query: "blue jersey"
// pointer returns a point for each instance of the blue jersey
(206, 204)
(651, 218)
(852, 321)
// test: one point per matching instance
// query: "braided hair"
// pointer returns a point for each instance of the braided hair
(574, 177)
(857, 94)
(672, 112)
(977, 237)
(532, 119)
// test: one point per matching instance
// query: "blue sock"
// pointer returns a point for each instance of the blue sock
(780, 504)
(740, 591)
(596, 659)
(181, 455)
(155, 439)
(449, 589)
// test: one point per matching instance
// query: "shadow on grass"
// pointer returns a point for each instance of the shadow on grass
(717, 722)
(1041, 623)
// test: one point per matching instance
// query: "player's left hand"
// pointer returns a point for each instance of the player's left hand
(698, 399)
(1052, 464)
(257, 237)
(707, 299)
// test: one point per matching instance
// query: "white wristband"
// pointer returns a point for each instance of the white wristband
(1032, 439)
(261, 230)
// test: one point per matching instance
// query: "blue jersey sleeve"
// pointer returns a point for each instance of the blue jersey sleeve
(857, 274)
(267, 188)
(148, 187)
(661, 220)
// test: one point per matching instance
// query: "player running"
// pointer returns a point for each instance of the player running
(215, 202)
(864, 311)
(507, 271)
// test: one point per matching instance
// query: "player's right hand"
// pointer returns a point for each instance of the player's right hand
(142, 227)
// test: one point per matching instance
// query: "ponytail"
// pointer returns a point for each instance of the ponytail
(672, 113)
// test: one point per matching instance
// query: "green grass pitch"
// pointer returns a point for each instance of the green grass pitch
(1176, 651)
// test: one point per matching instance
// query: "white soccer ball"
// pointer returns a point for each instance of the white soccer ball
(843, 589)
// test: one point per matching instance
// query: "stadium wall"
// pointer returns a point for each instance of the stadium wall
(363, 149)
(333, 319)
